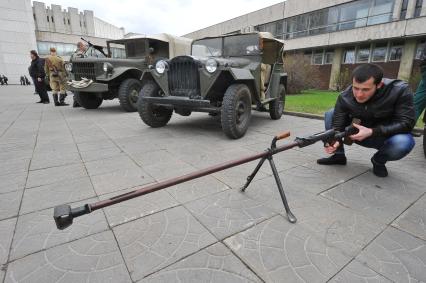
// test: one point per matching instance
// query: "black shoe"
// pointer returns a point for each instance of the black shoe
(63, 104)
(46, 102)
(335, 159)
(379, 169)
(41, 101)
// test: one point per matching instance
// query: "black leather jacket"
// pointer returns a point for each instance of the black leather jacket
(36, 69)
(388, 112)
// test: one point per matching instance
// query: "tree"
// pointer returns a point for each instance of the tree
(300, 72)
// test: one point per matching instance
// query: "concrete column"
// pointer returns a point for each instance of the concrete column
(406, 64)
(397, 10)
(335, 66)
(410, 9)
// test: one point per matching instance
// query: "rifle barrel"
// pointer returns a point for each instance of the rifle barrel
(185, 178)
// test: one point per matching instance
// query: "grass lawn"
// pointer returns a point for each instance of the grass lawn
(317, 102)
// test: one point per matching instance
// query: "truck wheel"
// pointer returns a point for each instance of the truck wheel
(236, 111)
(276, 107)
(88, 100)
(128, 94)
(153, 116)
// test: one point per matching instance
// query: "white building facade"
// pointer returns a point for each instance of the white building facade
(24, 27)
(341, 34)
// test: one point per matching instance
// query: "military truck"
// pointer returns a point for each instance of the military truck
(95, 79)
(226, 75)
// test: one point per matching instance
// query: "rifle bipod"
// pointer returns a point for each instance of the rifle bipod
(269, 156)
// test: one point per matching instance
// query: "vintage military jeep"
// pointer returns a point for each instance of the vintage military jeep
(224, 75)
(111, 77)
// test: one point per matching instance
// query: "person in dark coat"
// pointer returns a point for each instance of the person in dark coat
(37, 71)
(385, 108)
(27, 81)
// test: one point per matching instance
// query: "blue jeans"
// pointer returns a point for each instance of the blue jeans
(389, 148)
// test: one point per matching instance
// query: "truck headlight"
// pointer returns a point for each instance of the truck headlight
(211, 65)
(161, 66)
(68, 67)
(108, 67)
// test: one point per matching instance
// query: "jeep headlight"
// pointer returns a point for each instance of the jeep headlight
(161, 66)
(68, 67)
(108, 67)
(211, 65)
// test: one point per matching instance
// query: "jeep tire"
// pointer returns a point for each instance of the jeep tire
(88, 100)
(276, 107)
(153, 116)
(236, 110)
(128, 94)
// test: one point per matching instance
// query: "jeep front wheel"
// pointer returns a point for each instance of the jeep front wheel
(128, 94)
(153, 116)
(236, 111)
(276, 107)
(88, 100)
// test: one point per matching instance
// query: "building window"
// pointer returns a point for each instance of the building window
(69, 22)
(341, 17)
(328, 58)
(419, 50)
(418, 9)
(349, 56)
(47, 18)
(317, 58)
(381, 12)
(379, 53)
(363, 54)
(403, 10)
(396, 52)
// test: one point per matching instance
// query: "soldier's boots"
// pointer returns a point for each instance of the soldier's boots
(62, 99)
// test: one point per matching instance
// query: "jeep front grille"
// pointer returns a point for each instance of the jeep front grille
(84, 70)
(184, 79)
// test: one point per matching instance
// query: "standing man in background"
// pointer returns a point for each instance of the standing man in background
(55, 69)
(37, 72)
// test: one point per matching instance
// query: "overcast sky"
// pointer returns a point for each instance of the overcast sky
(172, 16)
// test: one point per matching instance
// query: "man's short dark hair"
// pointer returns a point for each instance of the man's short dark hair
(364, 72)
(34, 53)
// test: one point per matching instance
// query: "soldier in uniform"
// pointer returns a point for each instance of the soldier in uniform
(55, 69)
(79, 53)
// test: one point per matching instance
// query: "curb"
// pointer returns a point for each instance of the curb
(416, 131)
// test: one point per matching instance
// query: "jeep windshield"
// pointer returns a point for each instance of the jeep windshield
(241, 45)
(211, 47)
(127, 48)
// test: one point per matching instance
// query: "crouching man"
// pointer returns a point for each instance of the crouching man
(385, 108)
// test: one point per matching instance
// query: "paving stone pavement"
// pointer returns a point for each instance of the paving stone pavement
(352, 226)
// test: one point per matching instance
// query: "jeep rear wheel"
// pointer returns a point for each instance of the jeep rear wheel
(153, 116)
(128, 94)
(236, 110)
(88, 100)
(276, 107)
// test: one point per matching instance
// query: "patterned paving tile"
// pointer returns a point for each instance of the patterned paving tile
(6, 233)
(229, 212)
(37, 231)
(92, 259)
(137, 207)
(9, 204)
(120, 180)
(397, 255)
(357, 272)
(213, 264)
(278, 250)
(153, 242)
(55, 174)
(413, 220)
(380, 198)
(335, 225)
